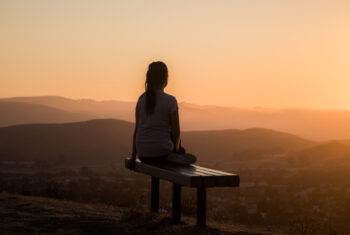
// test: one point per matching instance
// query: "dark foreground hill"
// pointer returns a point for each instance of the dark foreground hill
(91, 142)
(108, 140)
(36, 215)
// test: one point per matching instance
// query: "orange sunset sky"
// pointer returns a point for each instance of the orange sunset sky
(235, 53)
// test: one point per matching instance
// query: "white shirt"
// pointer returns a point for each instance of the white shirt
(153, 136)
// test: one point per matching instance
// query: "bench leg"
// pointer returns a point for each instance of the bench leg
(176, 203)
(154, 194)
(201, 204)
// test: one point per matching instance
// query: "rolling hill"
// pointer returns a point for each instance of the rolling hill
(99, 109)
(323, 164)
(104, 141)
(249, 144)
(329, 153)
(95, 141)
(320, 125)
(14, 113)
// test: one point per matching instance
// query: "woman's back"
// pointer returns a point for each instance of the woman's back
(153, 136)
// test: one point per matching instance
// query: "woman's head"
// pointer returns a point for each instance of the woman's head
(157, 75)
(156, 78)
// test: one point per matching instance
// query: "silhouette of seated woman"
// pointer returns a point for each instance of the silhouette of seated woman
(157, 131)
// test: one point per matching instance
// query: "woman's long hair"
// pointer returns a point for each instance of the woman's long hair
(156, 77)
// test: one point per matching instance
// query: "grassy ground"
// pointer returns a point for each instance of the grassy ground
(36, 215)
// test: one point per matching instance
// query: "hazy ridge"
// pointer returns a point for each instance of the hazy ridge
(14, 113)
(308, 123)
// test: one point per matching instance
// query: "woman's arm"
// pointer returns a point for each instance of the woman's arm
(133, 155)
(175, 129)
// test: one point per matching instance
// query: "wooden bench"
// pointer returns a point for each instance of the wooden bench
(184, 175)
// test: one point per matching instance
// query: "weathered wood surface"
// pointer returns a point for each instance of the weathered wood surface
(187, 175)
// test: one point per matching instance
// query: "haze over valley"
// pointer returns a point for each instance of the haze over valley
(313, 124)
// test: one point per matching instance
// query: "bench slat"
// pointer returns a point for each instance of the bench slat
(188, 175)
(198, 178)
(192, 172)
(208, 172)
(199, 170)
(176, 170)
(213, 171)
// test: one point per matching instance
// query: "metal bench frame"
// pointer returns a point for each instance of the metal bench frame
(184, 175)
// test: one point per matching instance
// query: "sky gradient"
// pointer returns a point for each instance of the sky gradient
(276, 54)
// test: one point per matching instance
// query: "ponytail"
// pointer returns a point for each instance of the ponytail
(156, 76)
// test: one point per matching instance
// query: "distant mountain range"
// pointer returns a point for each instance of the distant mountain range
(99, 109)
(107, 140)
(308, 123)
(13, 113)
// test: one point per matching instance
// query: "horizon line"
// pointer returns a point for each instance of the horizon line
(256, 107)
